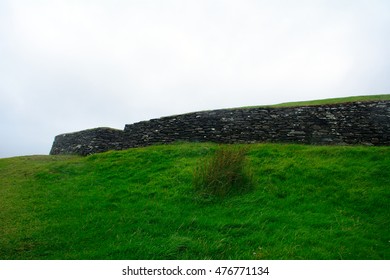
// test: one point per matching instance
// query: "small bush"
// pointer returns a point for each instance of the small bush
(224, 173)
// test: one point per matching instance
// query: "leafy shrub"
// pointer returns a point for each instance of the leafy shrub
(224, 173)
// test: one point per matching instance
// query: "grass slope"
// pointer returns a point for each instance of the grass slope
(309, 202)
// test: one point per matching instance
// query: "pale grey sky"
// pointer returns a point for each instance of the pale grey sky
(68, 65)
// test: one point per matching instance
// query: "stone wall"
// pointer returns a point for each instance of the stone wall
(365, 123)
(88, 141)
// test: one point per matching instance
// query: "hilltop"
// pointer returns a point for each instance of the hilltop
(308, 202)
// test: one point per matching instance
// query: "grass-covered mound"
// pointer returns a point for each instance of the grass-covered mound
(308, 202)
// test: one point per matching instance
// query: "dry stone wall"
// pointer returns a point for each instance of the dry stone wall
(88, 141)
(364, 123)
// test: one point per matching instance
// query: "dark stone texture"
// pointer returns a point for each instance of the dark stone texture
(364, 123)
(88, 141)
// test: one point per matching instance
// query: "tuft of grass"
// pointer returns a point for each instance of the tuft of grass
(225, 173)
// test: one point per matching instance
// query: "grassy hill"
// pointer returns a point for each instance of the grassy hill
(309, 202)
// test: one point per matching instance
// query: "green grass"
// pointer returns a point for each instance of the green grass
(309, 202)
(335, 100)
(329, 101)
(223, 174)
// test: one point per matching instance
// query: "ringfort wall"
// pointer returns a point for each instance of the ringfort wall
(355, 123)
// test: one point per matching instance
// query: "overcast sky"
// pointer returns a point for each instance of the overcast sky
(69, 65)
